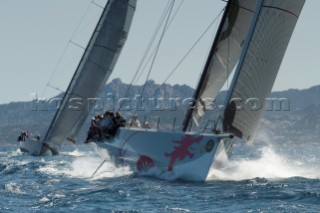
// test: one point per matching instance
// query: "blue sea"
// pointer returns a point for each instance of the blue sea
(259, 177)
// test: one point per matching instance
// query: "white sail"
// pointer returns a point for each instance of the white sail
(94, 69)
(259, 65)
(224, 54)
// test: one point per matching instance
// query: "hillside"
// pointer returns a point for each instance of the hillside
(299, 117)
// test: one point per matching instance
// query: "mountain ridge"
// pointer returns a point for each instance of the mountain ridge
(302, 118)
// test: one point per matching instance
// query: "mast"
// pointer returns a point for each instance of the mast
(205, 70)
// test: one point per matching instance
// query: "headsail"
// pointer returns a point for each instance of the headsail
(94, 69)
(224, 54)
(259, 65)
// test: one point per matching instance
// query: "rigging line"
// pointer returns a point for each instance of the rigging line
(76, 58)
(77, 31)
(67, 46)
(68, 66)
(145, 62)
(78, 45)
(156, 31)
(145, 66)
(53, 87)
(151, 41)
(158, 47)
(189, 51)
(153, 52)
(93, 2)
(56, 67)
(89, 23)
(82, 18)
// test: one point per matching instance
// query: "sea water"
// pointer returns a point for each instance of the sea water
(259, 177)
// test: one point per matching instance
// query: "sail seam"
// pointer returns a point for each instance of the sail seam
(129, 5)
(237, 5)
(108, 48)
(100, 68)
(278, 8)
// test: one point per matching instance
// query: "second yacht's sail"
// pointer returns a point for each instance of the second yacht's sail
(94, 69)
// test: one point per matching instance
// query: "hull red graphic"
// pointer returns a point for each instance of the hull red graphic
(182, 151)
(144, 163)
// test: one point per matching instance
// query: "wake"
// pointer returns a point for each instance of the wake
(83, 164)
(270, 165)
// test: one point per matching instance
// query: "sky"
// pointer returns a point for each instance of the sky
(35, 48)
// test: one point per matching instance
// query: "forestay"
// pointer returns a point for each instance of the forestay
(224, 54)
(93, 70)
(259, 65)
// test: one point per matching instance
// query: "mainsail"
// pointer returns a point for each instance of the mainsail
(94, 69)
(258, 66)
(224, 54)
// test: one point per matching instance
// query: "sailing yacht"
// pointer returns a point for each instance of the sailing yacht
(250, 42)
(94, 69)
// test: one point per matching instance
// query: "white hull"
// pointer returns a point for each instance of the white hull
(187, 156)
(34, 147)
(31, 146)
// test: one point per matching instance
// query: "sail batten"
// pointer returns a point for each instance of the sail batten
(93, 70)
(259, 66)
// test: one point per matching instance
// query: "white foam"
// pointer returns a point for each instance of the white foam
(85, 165)
(269, 165)
(158, 173)
(44, 200)
(13, 188)
(76, 153)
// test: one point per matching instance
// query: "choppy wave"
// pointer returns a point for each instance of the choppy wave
(85, 165)
(270, 164)
(285, 176)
